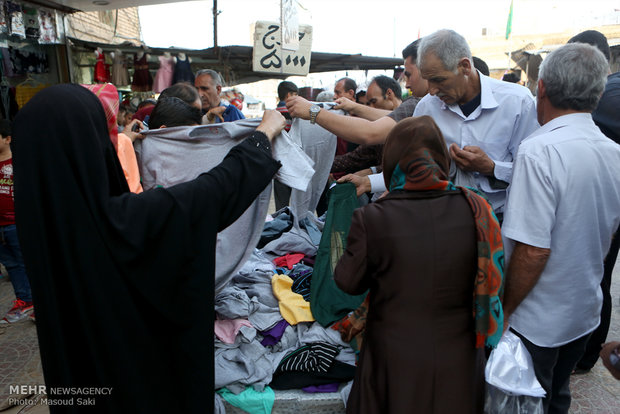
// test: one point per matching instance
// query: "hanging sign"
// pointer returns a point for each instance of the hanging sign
(269, 56)
(290, 25)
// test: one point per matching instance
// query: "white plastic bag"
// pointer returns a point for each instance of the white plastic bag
(511, 382)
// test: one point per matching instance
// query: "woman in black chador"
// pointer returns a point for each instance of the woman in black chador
(123, 283)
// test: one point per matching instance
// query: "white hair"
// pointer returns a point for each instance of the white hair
(216, 77)
(449, 47)
(325, 96)
(574, 76)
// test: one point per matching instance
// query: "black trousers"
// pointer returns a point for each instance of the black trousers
(553, 367)
(599, 336)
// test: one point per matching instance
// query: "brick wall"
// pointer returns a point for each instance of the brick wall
(111, 27)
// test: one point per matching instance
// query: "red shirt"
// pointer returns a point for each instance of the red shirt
(7, 209)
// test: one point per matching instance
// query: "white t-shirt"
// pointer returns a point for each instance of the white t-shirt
(564, 196)
(505, 116)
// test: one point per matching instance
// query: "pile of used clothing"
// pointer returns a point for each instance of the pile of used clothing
(281, 319)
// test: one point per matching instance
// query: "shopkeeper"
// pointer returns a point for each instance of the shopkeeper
(209, 85)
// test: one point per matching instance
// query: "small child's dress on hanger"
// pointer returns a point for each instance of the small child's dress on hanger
(163, 77)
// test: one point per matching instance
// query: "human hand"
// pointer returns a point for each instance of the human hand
(214, 113)
(608, 349)
(298, 107)
(362, 184)
(345, 104)
(364, 173)
(472, 158)
(272, 124)
(132, 130)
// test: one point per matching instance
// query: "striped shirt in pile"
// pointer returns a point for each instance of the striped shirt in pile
(315, 357)
(302, 277)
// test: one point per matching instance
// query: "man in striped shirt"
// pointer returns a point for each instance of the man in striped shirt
(286, 89)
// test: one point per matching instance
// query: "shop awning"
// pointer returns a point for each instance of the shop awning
(72, 6)
(235, 62)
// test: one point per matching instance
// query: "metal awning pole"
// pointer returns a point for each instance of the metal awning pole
(215, 13)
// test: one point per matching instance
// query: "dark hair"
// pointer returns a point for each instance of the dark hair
(411, 50)
(348, 84)
(359, 95)
(6, 128)
(182, 90)
(481, 65)
(594, 38)
(172, 111)
(146, 102)
(385, 83)
(511, 77)
(284, 88)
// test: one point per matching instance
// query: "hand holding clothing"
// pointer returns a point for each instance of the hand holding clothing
(345, 104)
(129, 130)
(298, 107)
(472, 158)
(272, 124)
(362, 184)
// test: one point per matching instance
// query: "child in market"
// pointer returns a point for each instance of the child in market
(10, 252)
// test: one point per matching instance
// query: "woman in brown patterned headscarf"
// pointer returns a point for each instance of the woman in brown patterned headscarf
(423, 251)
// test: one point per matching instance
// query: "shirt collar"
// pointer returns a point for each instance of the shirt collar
(562, 121)
(487, 100)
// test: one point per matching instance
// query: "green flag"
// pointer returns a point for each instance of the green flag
(509, 23)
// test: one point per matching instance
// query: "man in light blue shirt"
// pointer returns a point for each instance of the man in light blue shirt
(483, 120)
(563, 208)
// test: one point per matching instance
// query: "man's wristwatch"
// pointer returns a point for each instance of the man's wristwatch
(314, 111)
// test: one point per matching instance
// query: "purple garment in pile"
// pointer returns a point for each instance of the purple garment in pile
(322, 388)
(272, 336)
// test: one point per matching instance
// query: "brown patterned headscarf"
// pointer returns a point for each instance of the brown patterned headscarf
(415, 158)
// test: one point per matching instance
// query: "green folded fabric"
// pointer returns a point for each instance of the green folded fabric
(250, 400)
(327, 302)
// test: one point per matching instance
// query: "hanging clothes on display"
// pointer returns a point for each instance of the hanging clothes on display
(27, 89)
(47, 23)
(28, 59)
(3, 21)
(15, 19)
(102, 74)
(183, 70)
(120, 74)
(9, 106)
(31, 22)
(163, 77)
(142, 79)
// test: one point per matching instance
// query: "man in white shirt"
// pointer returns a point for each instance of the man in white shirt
(483, 120)
(563, 207)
